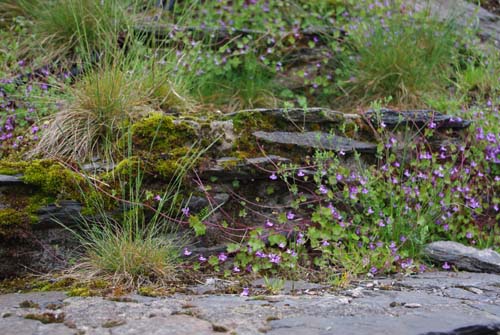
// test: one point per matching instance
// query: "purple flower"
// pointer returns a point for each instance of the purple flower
(301, 173)
(468, 235)
(325, 243)
(446, 266)
(273, 258)
(157, 197)
(245, 292)
(422, 268)
(236, 269)
(34, 129)
(185, 211)
(282, 245)
(373, 270)
(260, 254)
(322, 189)
(222, 257)
(269, 223)
(290, 215)
(273, 176)
(202, 259)
(187, 252)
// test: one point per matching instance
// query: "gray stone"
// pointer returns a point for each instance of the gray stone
(417, 118)
(299, 115)
(326, 313)
(463, 257)
(6, 180)
(316, 140)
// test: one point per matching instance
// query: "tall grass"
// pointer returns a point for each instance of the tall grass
(408, 59)
(104, 100)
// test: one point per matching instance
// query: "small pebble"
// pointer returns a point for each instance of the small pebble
(412, 305)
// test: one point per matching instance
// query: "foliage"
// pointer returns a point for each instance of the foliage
(406, 58)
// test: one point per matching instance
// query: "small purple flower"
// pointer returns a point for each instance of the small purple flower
(422, 268)
(269, 223)
(446, 266)
(290, 215)
(157, 197)
(322, 189)
(222, 257)
(202, 259)
(468, 235)
(185, 211)
(236, 269)
(273, 176)
(325, 243)
(260, 254)
(187, 252)
(373, 270)
(301, 173)
(245, 292)
(273, 258)
(34, 129)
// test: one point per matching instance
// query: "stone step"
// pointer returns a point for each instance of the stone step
(316, 140)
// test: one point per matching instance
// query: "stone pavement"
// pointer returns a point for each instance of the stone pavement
(429, 302)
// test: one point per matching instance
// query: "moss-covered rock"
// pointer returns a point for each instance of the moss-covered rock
(160, 134)
(53, 178)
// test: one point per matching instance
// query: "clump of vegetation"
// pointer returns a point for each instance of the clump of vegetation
(408, 59)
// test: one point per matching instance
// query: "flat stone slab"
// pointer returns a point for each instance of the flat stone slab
(418, 118)
(299, 115)
(397, 305)
(463, 257)
(316, 140)
(6, 180)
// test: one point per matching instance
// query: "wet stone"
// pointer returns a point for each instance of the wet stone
(316, 140)
(418, 118)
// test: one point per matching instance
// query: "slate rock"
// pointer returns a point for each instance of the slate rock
(316, 140)
(418, 118)
(309, 115)
(6, 180)
(463, 257)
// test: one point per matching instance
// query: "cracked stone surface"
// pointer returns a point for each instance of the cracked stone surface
(434, 302)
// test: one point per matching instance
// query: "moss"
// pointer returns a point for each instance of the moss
(159, 133)
(126, 169)
(28, 304)
(80, 292)
(12, 168)
(11, 216)
(53, 178)
(46, 318)
(166, 168)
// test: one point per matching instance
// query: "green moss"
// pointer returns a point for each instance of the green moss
(159, 133)
(79, 292)
(53, 178)
(11, 216)
(12, 168)
(167, 168)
